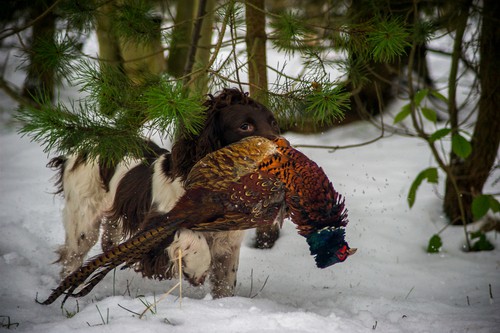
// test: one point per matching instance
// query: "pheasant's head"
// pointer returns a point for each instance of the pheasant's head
(328, 246)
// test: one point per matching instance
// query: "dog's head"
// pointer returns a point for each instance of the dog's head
(231, 116)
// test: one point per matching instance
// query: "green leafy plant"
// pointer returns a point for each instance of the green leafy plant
(430, 174)
(460, 146)
(435, 244)
(483, 203)
(480, 242)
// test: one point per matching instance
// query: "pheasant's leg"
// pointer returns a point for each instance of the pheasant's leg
(225, 250)
(267, 235)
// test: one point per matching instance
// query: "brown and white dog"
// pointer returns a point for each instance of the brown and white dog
(119, 198)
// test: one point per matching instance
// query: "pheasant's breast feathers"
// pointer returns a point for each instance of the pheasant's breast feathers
(312, 200)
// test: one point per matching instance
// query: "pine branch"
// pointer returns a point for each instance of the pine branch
(289, 32)
(169, 106)
(388, 40)
(135, 22)
(55, 56)
(327, 103)
(81, 130)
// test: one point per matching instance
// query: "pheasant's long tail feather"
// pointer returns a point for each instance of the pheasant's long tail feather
(92, 272)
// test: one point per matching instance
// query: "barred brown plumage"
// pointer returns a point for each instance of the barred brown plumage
(241, 186)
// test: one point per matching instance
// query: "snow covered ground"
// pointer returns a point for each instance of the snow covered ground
(390, 285)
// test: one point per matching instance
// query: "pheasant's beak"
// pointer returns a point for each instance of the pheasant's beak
(350, 252)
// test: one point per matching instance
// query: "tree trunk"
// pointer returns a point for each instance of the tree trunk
(257, 77)
(200, 85)
(256, 49)
(472, 173)
(181, 37)
(109, 47)
(40, 80)
(140, 60)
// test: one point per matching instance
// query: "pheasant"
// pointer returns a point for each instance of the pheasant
(244, 185)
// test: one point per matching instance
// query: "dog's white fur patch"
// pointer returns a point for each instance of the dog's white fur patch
(166, 191)
(196, 258)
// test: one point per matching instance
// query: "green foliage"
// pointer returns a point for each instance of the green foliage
(327, 103)
(388, 40)
(405, 112)
(69, 314)
(135, 22)
(358, 71)
(460, 146)
(439, 96)
(84, 128)
(419, 96)
(482, 204)
(480, 242)
(289, 32)
(52, 56)
(168, 104)
(429, 114)
(321, 104)
(423, 31)
(233, 8)
(111, 91)
(439, 134)
(80, 15)
(107, 86)
(430, 174)
(435, 244)
(116, 111)
(79, 130)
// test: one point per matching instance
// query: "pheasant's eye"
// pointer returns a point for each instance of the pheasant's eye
(246, 127)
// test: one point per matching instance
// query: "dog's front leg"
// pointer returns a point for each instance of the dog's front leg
(112, 233)
(225, 250)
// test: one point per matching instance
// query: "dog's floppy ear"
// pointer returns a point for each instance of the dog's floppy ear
(191, 148)
(183, 156)
(210, 138)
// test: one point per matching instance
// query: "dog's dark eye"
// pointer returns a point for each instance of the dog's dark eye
(246, 127)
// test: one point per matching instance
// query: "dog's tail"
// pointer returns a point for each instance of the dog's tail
(59, 164)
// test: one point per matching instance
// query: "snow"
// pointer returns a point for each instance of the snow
(390, 285)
